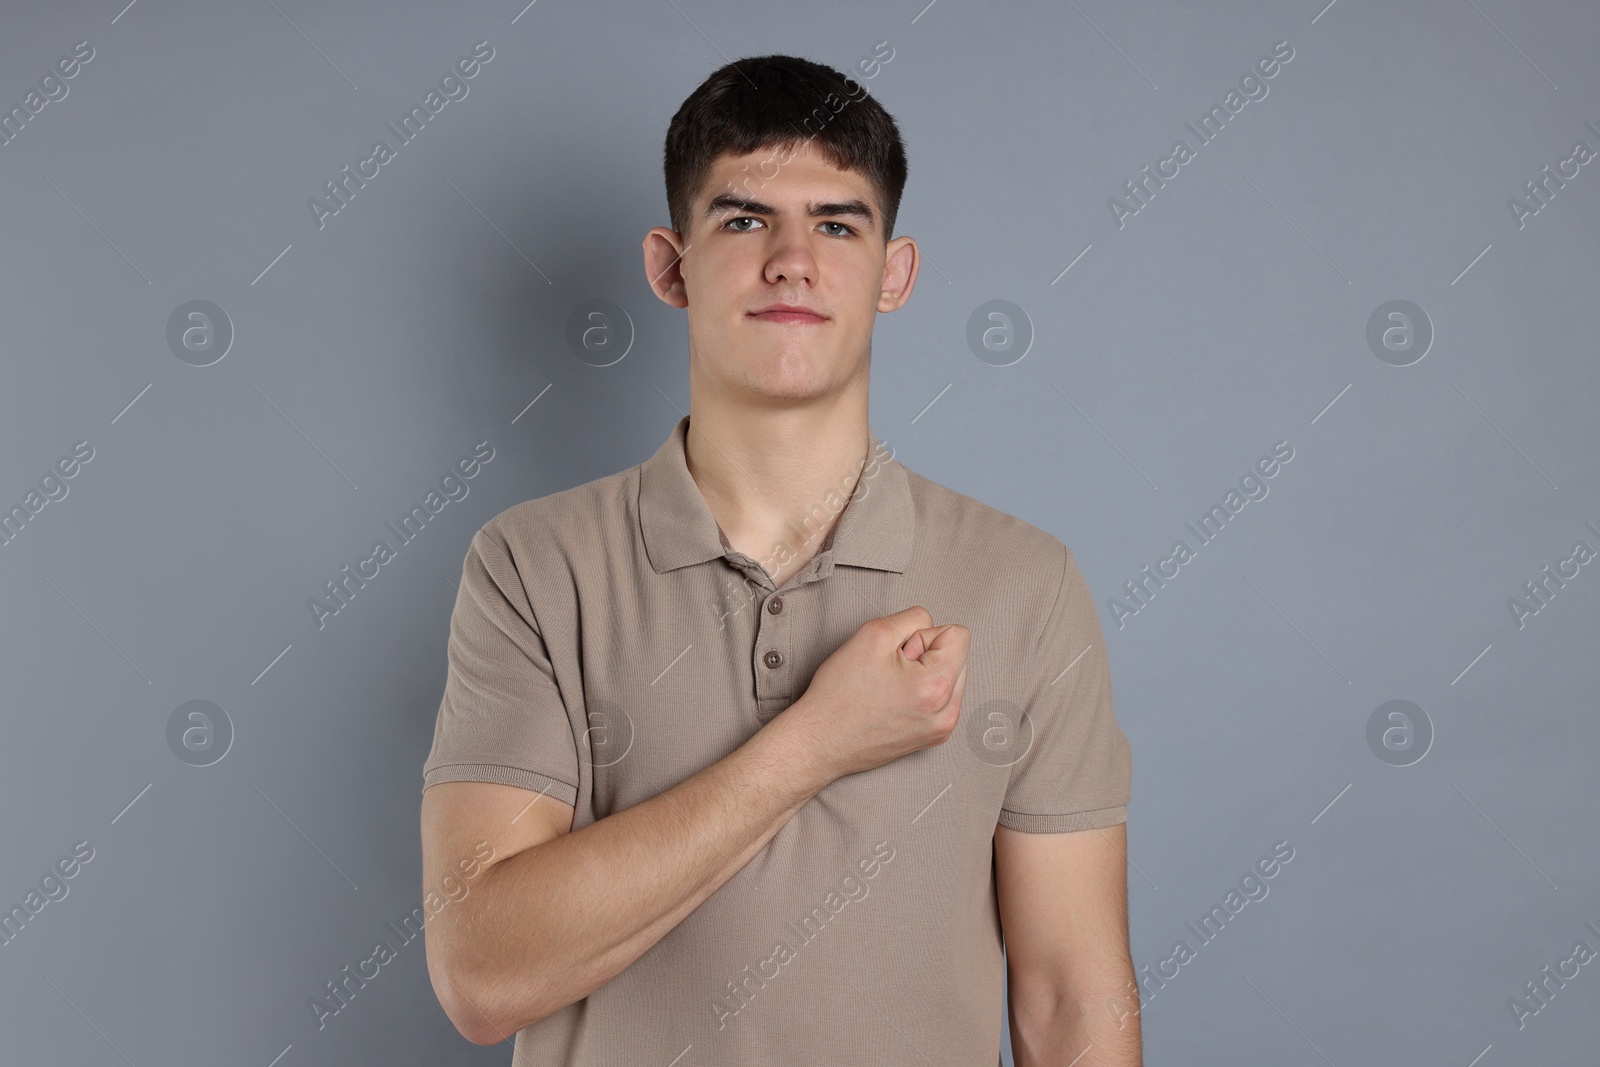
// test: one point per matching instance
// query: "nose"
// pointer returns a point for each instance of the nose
(791, 259)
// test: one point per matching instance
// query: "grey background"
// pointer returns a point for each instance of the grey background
(1229, 314)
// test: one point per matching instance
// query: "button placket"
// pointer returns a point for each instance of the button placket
(774, 674)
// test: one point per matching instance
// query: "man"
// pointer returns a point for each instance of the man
(743, 726)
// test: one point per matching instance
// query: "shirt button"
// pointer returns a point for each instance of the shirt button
(775, 605)
(773, 658)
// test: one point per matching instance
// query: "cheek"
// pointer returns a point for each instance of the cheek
(711, 305)
(858, 312)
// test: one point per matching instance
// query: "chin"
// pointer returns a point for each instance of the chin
(781, 388)
(788, 366)
(789, 392)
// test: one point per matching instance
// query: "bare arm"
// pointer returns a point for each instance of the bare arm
(1064, 909)
(557, 914)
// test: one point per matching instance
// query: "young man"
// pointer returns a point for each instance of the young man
(768, 737)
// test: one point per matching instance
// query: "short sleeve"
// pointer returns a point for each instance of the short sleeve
(502, 718)
(1077, 771)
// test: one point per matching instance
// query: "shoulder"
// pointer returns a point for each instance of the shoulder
(565, 531)
(568, 511)
(955, 527)
(1016, 585)
(1001, 570)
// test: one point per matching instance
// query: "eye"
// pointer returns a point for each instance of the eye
(741, 218)
(842, 226)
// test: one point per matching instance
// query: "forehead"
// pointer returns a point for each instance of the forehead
(794, 171)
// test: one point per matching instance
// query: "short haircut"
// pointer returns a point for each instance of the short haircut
(776, 102)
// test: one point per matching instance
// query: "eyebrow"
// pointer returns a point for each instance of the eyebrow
(732, 203)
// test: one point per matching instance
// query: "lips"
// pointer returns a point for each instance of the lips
(788, 313)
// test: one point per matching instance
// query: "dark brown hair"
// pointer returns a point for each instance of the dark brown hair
(769, 102)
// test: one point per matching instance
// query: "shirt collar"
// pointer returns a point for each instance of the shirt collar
(874, 530)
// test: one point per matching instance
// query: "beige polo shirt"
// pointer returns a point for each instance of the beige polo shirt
(607, 643)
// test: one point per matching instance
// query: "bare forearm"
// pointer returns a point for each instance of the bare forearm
(554, 923)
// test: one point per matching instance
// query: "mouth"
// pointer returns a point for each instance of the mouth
(788, 314)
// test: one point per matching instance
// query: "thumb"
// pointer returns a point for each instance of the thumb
(943, 645)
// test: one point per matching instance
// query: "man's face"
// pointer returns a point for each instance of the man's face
(781, 227)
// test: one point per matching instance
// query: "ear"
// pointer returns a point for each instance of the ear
(663, 255)
(902, 260)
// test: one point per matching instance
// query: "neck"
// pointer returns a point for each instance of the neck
(777, 481)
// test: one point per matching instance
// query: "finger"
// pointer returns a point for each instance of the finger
(946, 643)
(946, 654)
(959, 688)
(925, 638)
(915, 617)
(907, 622)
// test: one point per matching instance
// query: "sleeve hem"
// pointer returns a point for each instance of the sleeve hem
(499, 774)
(1093, 819)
